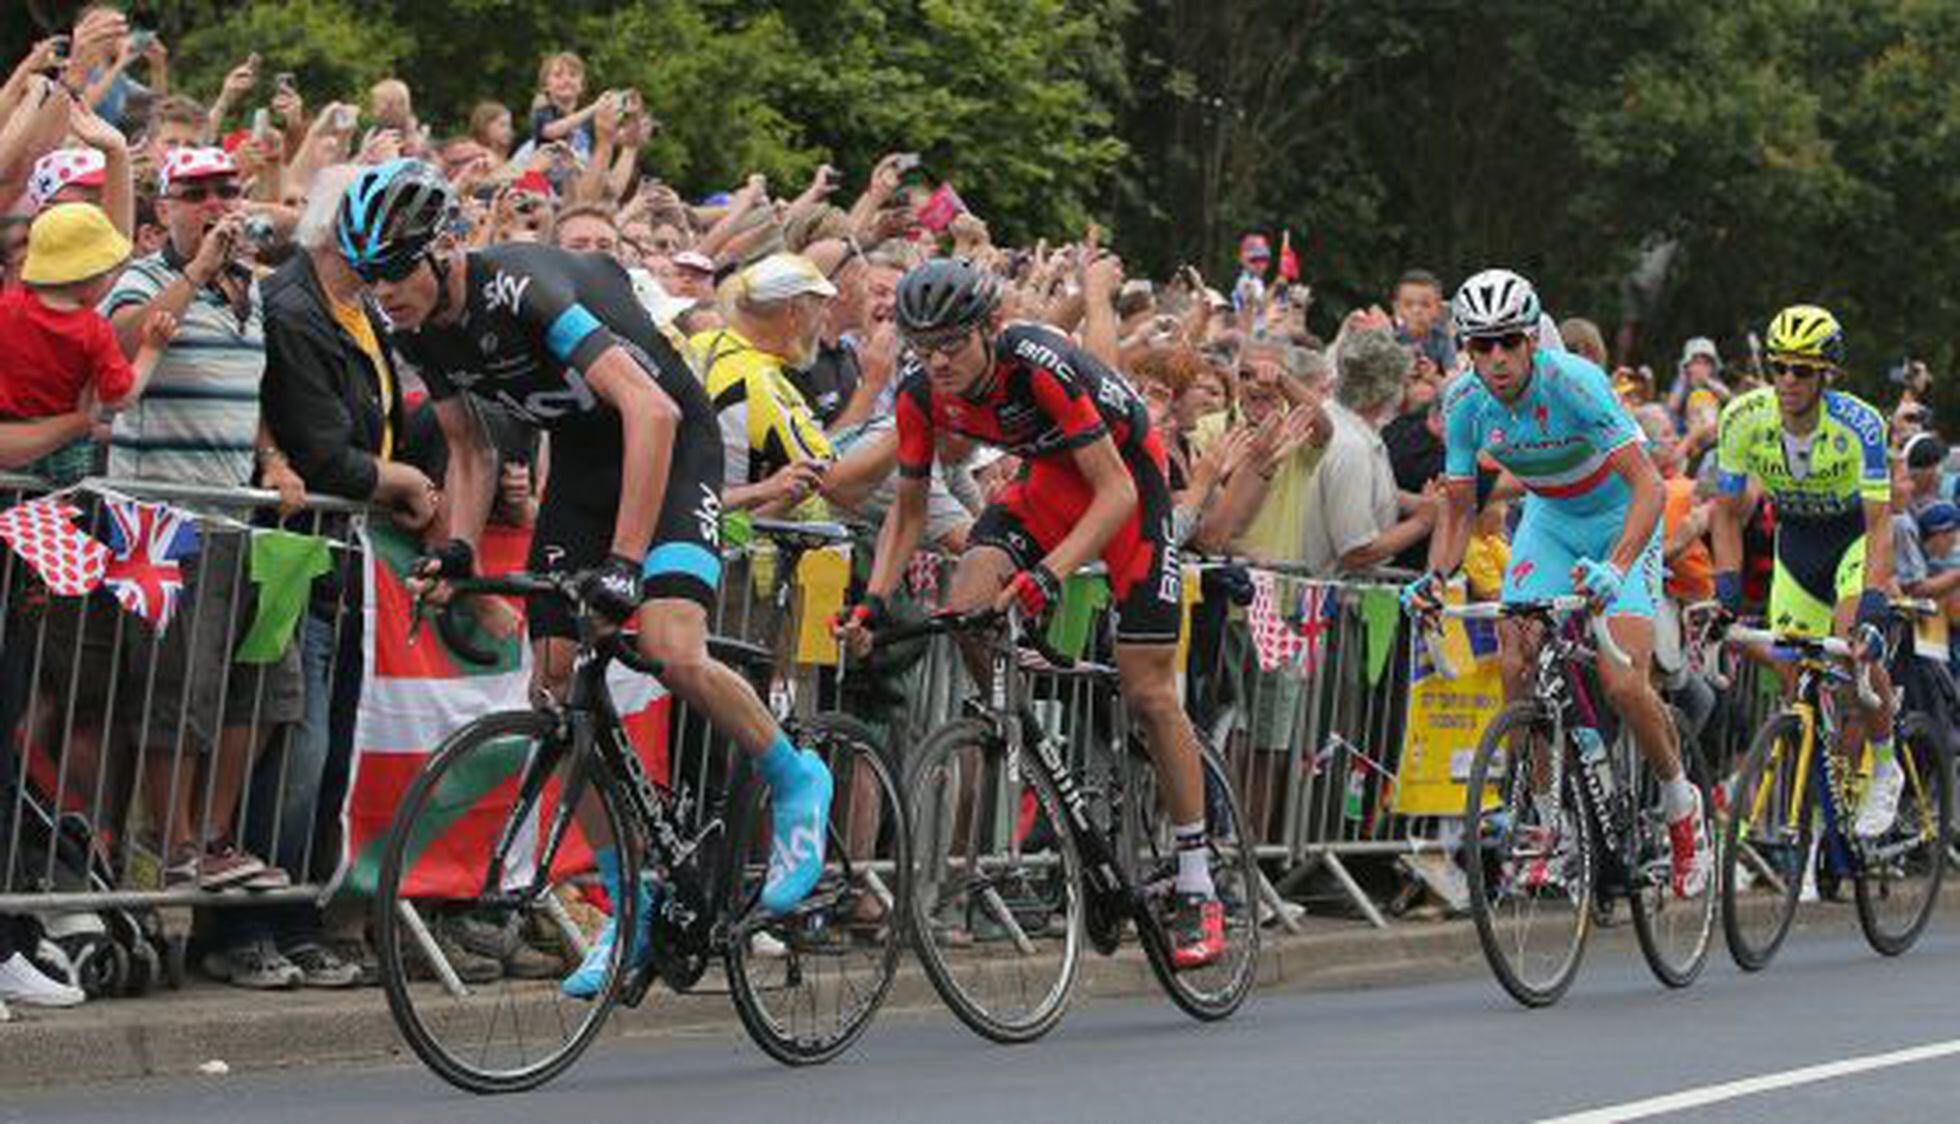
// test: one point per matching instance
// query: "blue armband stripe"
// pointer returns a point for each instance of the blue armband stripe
(568, 331)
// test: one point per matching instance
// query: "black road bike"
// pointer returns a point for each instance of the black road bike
(1024, 845)
(538, 782)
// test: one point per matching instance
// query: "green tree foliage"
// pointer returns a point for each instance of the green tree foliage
(1781, 149)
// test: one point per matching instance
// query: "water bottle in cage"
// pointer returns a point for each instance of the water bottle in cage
(1592, 757)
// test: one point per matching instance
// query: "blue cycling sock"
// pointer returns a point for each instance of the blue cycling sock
(778, 764)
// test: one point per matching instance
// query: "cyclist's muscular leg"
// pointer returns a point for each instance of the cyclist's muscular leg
(1859, 721)
(1629, 690)
(674, 632)
(1149, 678)
(983, 571)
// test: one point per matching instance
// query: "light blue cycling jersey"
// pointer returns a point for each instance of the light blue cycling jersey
(1555, 439)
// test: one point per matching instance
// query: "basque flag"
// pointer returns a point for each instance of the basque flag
(147, 545)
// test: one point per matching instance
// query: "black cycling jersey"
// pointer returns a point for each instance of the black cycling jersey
(534, 318)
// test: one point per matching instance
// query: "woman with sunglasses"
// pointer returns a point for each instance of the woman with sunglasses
(1591, 522)
(1821, 455)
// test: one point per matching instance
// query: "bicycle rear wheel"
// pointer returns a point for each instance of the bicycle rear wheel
(1216, 990)
(1530, 857)
(1766, 843)
(1898, 875)
(996, 889)
(438, 901)
(1675, 932)
(807, 983)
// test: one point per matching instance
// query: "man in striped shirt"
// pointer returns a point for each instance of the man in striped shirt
(199, 424)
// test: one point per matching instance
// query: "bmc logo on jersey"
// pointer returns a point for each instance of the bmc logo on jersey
(504, 293)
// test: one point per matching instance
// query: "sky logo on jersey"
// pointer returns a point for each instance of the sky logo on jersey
(505, 293)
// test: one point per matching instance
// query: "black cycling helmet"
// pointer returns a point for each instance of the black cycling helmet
(391, 215)
(946, 294)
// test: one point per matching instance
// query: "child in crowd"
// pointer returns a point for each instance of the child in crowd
(63, 360)
(555, 112)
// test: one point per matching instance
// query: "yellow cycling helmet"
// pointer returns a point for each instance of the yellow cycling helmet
(1806, 333)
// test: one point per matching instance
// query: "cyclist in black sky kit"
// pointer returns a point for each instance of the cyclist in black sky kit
(559, 340)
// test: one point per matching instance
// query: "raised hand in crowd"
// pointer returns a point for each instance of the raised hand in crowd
(380, 146)
(97, 40)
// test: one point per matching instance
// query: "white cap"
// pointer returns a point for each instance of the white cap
(779, 277)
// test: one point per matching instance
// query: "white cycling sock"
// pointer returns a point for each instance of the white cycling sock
(1677, 798)
(1193, 860)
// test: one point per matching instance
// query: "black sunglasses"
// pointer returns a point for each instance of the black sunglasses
(1509, 341)
(391, 270)
(1780, 369)
(201, 192)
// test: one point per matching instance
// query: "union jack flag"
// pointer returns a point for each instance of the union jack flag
(147, 545)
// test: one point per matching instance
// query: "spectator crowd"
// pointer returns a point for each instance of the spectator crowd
(174, 309)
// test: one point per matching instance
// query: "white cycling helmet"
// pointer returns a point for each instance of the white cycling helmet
(1494, 303)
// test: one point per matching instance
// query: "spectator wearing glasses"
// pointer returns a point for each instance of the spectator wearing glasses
(199, 424)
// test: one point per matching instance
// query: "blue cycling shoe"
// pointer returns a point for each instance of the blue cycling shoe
(591, 974)
(800, 788)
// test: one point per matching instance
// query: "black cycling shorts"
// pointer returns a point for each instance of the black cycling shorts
(1145, 577)
(581, 506)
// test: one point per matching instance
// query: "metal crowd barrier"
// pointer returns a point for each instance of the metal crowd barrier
(1314, 747)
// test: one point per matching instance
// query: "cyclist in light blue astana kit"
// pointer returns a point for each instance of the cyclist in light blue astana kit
(1591, 520)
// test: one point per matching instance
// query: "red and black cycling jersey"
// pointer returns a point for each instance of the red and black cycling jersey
(1046, 398)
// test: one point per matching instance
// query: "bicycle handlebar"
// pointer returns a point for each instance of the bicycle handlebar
(1561, 606)
(1829, 646)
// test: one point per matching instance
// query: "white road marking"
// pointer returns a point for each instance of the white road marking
(1750, 1086)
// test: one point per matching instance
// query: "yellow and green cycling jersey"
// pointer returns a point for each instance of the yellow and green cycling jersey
(1819, 484)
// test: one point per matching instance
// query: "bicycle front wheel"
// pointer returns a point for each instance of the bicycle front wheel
(1216, 990)
(1675, 931)
(996, 888)
(1529, 846)
(1899, 874)
(474, 899)
(808, 983)
(1766, 843)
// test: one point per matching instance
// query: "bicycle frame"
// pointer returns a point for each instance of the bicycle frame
(1007, 700)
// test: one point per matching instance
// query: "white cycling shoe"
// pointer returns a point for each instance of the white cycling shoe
(1880, 807)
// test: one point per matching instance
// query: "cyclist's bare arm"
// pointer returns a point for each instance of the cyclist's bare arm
(1451, 538)
(1631, 464)
(905, 525)
(1879, 572)
(467, 483)
(648, 421)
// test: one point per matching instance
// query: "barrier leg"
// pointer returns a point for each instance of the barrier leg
(426, 942)
(1354, 891)
(1277, 904)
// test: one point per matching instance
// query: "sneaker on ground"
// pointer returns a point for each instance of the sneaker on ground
(254, 964)
(470, 967)
(1197, 931)
(796, 851)
(270, 878)
(357, 951)
(22, 982)
(223, 866)
(1693, 860)
(319, 967)
(1879, 808)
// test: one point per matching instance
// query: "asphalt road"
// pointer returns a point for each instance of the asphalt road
(1454, 1049)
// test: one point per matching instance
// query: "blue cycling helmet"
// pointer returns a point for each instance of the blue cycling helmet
(391, 215)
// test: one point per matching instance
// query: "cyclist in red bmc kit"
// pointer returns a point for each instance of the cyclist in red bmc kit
(1094, 486)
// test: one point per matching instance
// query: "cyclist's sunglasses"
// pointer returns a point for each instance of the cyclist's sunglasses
(1781, 369)
(1509, 341)
(391, 270)
(945, 343)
